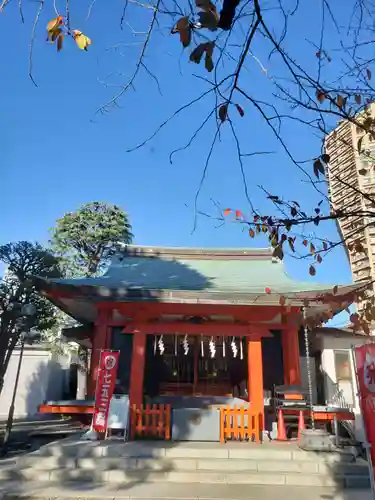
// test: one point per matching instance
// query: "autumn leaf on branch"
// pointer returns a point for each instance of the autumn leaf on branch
(207, 49)
(60, 40)
(240, 110)
(223, 112)
(183, 27)
(53, 28)
(81, 40)
(209, 17)
(227, 212)
(321, 96)
(318, 167)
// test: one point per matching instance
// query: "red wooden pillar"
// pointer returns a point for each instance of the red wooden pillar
(137, 368)
(99, 341)
(255, 374)
(291, 356)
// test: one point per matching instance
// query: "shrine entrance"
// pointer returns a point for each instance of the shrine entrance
(188, 365)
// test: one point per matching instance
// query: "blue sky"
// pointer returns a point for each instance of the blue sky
(53, 157)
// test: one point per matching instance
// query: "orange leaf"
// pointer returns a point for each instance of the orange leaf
(240, 110)
(238, 214)
(183, 27)
(251, 233)
(320, 96)
(227, 211)
(55, 23)
(312, 270)
(305, 243)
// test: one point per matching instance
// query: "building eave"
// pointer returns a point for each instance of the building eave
(314, 301)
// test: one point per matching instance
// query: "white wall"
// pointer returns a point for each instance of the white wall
(329, 344)
(42, 377)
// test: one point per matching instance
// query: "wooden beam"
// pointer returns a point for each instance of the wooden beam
(214, 329)
(291, 356)
(99, 342)
(255, 379)
(137, 369)
(155, 309)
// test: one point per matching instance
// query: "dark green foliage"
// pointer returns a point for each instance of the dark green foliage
(23, 260)
(86, 239)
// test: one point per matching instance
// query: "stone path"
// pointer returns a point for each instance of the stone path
(199, 491)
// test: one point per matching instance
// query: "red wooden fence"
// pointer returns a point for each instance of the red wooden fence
(240, 424)
(151, 421)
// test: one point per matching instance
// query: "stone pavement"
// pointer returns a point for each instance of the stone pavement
(197, 491)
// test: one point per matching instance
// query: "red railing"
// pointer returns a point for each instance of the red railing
(240, 424)
(151, 421)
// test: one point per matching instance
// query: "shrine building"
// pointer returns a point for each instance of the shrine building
(196, 323)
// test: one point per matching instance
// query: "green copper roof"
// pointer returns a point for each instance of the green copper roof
(225, 270)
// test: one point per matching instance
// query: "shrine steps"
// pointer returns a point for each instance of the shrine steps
(233, 463)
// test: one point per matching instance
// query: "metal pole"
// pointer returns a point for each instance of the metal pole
(9, 425)
(308, 367)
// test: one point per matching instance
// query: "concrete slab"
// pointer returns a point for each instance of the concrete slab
(40, 491)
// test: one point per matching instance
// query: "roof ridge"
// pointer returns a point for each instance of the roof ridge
(148, 250)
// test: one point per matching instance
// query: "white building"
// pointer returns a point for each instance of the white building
(43, 376)
(336, 370)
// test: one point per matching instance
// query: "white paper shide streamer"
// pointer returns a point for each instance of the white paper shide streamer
(234, 348)
(161, 345)
(185, 345)
(212, 347)
(241, 349)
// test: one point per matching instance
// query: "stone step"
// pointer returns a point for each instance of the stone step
(213, 451)
(116, 476)
(41, 463)
(169, 491)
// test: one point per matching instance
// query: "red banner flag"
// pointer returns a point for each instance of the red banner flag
(365, 366)
(104, 388)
